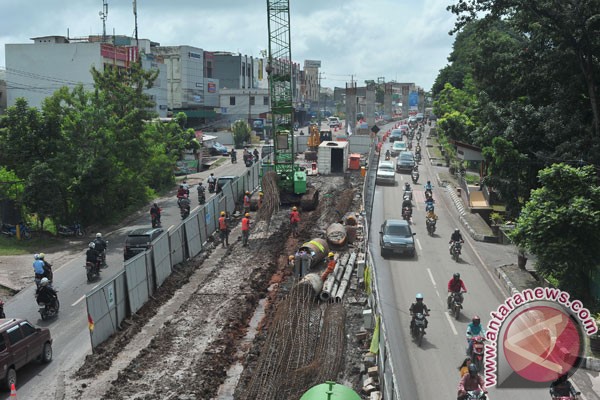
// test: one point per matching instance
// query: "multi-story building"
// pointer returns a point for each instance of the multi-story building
(2, 92)
(236, 71)
(244, 104)
(36, 70)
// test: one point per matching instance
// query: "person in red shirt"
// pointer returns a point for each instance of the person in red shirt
(224, 229)
(294, 221)
(455, 285)
(469, 382)
(330, 266)
(245, 229)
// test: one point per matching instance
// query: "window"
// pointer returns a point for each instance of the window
(209, 69)
(251, 100)
(14, 334)
(232, 100)
(27, 329)
(266, 101)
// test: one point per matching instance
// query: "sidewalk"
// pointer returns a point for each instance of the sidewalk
(502, 258)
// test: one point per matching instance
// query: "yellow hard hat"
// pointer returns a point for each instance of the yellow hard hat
(295, 208)
(260, 193)
(291, 257)
(331, 254)
(222, 213)
(247, 214)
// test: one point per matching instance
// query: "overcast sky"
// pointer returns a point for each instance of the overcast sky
(401, 40)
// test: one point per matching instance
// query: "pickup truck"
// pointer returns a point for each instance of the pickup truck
(21, 343)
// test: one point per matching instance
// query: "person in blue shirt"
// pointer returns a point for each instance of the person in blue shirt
(428, 186)
(474, 329)
(38, 268)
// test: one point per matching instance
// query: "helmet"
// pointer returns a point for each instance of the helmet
(456, 276)
(222, 213)
(98, 235)
(247, 192)
(295, 208)
(419, 296)
(36, 256)
(472, 369)
(476, 320)
(330, 254)
(457, 230)
(260, 193)
(44, 281)
(41, 256)
(247, 215)
(429, 182)
(92, 245)
(180, 186)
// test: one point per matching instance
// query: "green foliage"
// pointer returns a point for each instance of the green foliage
(241, 133)
(10, 185)
(496, 218)
(42, 192)
(559, 224)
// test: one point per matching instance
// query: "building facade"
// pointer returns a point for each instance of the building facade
(244, 104)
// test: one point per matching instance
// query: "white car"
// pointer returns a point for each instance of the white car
(386, 173)
(398, 147)
(334, 122)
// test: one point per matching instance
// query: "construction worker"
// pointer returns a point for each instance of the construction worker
(224, 229)
(330, 266)
(245, 229)
(246, 202)
(260, 199)
(294, 220)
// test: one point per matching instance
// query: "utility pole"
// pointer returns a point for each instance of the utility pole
(137, 43)
(103, 15)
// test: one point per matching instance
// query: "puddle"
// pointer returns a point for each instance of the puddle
(234, 372)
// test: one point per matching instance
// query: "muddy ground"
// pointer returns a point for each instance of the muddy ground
(181, 344)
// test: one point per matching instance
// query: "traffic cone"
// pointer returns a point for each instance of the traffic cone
(13, 392)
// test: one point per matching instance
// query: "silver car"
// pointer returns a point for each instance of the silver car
(386, 174)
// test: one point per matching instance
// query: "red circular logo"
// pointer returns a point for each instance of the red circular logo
(542, 343)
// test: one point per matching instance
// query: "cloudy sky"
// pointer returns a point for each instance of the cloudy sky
(401, 40)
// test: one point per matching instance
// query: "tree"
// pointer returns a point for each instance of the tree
(559, 224)
(241, 133)
(42, 194)
(455, 109)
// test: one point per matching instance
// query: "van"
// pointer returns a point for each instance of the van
(266, 150)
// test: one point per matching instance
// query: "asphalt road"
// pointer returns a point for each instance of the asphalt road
(430, 371)
(71, 340)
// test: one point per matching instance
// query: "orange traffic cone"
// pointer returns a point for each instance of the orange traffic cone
(13, 392)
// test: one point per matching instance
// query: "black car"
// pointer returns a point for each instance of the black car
(405, 161)
(396, 237)
(140, 240)
(395, 135)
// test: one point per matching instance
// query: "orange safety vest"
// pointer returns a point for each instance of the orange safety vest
(246, 201)
(294, 217)
(222, 223)
(245, 224)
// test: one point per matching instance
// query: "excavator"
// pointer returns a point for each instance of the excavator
(292, 182)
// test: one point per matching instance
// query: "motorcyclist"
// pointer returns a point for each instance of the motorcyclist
(428, 187)
(91, 255)
(47, 268)
(418, 149)
(455, 237)
(212, 181)
(430, 214)
(100, 243)
(455, 285)
(387, 154)
(186, 187)
(256, 155)
(406, 203)
(45, 294)
(233, 156)
(201, 193)
(155, 213)
(469, 382)
(38, 269)
(181, 192)
(407, 187)
(474, 329)
(561, 387)
(184, 204)
(429, 205)
(418, 307)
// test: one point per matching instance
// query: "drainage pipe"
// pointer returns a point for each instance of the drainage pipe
(346, 279)
(315, 281)
(338, 273)
(327, 292)
(317, 248)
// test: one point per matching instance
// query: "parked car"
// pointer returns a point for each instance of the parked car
(224, 180)
(20, 343)
(398, 147)
(396, 237)
(139, 240)
(386, 173)
(405, 161)
(396, 134)
(218, 149)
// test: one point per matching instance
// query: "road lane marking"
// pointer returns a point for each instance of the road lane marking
(78, 301)
(451, 324)
(431, 277)
(419, 244)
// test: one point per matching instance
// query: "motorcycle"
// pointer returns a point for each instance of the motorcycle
(233, 158)
(415, 176)
(577, 394)
(92, 271)
(387, 155)
(11, 230)
(184, 210)
(456, 304)
(418, 157)
(408, 193)
(103, 257)
(419, 135)
(477, 352)
(71, 230)
(155, 221)
(406, 213)
(418, 328)
(49, 310)
(455, 250)
(211, 187)
(248, 160)
(430, 223)
(429, 205)
(428, 194)
(476, 395)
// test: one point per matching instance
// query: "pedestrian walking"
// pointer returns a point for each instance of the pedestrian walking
(224, 229)
(246, 202)
(245, 229)
(294, 221)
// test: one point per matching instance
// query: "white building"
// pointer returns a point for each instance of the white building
(36, 70)
(245, 104)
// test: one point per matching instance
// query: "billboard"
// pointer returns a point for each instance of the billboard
(312, 64)
(413, 99)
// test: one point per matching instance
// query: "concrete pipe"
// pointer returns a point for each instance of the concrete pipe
(315, 281)
(317, 248)
(336, 234)
(339, 295)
